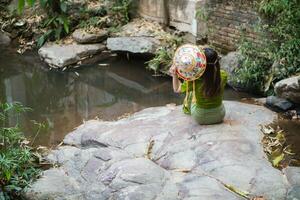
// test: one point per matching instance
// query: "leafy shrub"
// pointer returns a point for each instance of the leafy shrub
(120, 11)
(18, 163)
(57, 23)
(277, 55)
(163, 57)
(111, 15)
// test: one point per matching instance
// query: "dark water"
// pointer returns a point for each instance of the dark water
(292, 134)
(64, 100)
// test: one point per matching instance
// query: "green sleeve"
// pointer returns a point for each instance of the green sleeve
(184, 86)
(224, 78)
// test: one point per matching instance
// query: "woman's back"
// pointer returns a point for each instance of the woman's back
(201, 100)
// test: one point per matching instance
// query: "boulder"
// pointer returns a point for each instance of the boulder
(4, 39)
(143, 45)
(279, 103)
(289, 89)
(230, 63)
(83, 37)
(59, 56)
(161, 153)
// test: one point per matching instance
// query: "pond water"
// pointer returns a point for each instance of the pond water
(63, 100)
(292, 134)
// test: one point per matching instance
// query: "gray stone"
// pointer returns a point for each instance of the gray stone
(83, 37)
(289, 89)
(230, 63)
(133, 44)
(279, 103)
(161, 153)
(55, 184)
(294, 193)
(4, 39)
(60, 56)
(293, 175)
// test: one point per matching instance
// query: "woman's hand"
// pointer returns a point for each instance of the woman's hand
(172, 70)
(176, 81)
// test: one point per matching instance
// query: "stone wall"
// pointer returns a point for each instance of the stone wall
(181, 13)
(228, 21)
(223, 25)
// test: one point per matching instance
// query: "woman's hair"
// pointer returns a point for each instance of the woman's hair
(212, 74)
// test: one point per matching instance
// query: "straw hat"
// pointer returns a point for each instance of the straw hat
(190, 62)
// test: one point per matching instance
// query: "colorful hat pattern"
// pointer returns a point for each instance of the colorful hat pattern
(190, 62)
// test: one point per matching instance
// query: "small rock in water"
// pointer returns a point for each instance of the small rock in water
(279, 103)
(103, 64)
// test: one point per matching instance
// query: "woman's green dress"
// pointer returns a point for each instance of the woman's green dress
(205, 110)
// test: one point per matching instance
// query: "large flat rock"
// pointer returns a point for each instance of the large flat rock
(60, 56)
(160, 153)
(133, 44)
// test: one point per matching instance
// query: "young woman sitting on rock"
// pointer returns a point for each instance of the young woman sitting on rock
(204, 83)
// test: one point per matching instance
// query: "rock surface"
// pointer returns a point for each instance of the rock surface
(133, 44)
(230, 63)
(4, 39)
(289, 89)
(160, 153)
(59, 56)
(279, 103)
(84, 37)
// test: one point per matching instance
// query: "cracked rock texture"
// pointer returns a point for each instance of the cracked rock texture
(160, 153)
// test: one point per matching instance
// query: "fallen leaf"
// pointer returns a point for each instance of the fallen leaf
(277, 160)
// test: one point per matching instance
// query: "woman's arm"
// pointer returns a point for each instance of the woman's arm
(176, 81)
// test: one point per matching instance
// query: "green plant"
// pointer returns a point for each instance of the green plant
(94, 21)
(58, 26)
(18, 164)
(112, 15)
(120, 11)
(277, 55)
(163, 57)
(57, 23)
(201, 14)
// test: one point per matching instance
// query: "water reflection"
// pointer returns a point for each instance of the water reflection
(64, 100)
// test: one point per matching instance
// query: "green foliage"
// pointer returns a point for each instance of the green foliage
(57, 23)
(18, 166)
(163, 58)
(94, 21)
(280, 42)
(58, 26)
(120, 10)
(201, 14)
(111, 15)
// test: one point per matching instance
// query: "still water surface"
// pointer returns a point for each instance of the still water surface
(63, 99)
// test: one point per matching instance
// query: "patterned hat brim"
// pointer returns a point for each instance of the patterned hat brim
(200, 58)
